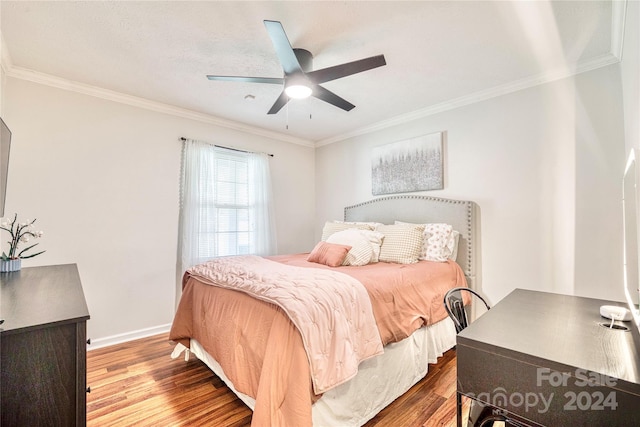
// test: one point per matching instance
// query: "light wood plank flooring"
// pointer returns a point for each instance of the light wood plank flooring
(138, 384)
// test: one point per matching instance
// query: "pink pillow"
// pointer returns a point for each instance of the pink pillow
(331, 254)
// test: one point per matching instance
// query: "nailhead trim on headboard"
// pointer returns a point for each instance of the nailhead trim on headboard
(469, 269)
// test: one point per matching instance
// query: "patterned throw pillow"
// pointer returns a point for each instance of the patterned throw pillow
(402, 243)
(440, 242)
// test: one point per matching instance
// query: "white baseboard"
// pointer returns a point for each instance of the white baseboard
(128, 336)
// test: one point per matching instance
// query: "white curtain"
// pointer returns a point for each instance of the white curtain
(261, 215)
(198, 220)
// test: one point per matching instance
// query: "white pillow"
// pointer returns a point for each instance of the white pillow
(375, 239)
(361, 252)
(371, 224)
(331, 227)
(402, 243)
(453, 245)
(440, 242)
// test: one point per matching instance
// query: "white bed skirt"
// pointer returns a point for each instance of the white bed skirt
(379, 382)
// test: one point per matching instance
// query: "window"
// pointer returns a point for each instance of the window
(225, 204)
(226, 230)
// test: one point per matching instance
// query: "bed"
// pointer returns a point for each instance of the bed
(261, 349)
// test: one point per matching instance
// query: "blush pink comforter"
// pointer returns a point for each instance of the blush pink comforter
(404, 296)
(332, 311)
(261, 350)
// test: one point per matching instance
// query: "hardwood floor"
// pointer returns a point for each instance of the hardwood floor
(138, 384)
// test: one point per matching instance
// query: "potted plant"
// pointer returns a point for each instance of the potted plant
(21, 232)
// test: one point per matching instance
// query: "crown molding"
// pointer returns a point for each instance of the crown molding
(57, 82)
(618, 17)
(73, 86)
(618, 22)
(5, 58)
(473, 98)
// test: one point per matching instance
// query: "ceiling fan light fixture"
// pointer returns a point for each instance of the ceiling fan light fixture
(298, 91)
(300, 80)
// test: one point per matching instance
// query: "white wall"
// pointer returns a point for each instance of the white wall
(2, 65)
(544, 166)
(631, 76)
(102, 179)
(3, 78)
(600, 162)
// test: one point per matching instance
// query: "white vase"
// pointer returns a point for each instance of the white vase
(10, 265)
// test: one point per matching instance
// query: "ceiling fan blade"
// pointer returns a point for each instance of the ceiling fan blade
(333, 99)
(280, 102)
(285, 53)
(343, 70)
(271, 80)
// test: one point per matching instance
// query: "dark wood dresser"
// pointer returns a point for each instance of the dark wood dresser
(43, 353)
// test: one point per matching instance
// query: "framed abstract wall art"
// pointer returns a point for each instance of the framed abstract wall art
(414, 164)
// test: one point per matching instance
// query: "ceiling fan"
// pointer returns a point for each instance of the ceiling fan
(299, 80)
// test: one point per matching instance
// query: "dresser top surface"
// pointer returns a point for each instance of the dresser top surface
(546, 327)
(38, 296)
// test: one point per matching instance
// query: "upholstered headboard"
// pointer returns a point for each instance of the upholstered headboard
(462, 215)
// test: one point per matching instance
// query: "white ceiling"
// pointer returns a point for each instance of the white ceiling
(439, 54)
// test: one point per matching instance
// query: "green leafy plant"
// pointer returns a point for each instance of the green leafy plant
(21, 232)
